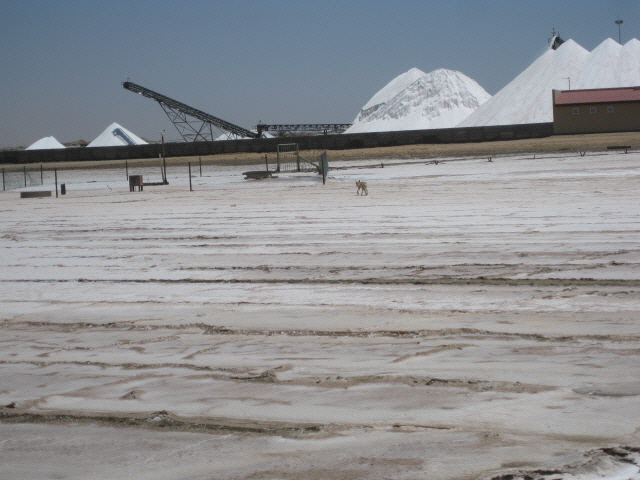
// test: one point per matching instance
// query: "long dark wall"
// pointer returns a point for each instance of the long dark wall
(268, 145)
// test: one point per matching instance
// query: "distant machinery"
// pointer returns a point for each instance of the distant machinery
(555, 41)
(191, 123)
(303, 127)
(194, 124)
(118, 132)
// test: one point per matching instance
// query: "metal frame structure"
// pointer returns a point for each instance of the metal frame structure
(287, 148)
(555, 41)
(191, 123)
(292, 149)
(303, 127)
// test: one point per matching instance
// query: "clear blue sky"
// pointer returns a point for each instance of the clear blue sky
(279, 61)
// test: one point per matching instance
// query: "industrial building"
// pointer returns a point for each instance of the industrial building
(597, 110)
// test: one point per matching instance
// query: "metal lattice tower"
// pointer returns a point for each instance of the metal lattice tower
(191, 123)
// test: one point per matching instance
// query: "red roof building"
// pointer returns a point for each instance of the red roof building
(596, 111)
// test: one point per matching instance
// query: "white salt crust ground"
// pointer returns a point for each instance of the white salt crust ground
(469, 319)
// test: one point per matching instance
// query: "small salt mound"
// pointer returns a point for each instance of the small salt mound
(115, 135)
(45, 143)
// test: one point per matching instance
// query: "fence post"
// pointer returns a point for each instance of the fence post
(126, 169)
(164, 170)
(55, 172)
(3, 179)
(190, 185)
(200, 160)
(25, 176)
(41, 176)
(323, 161)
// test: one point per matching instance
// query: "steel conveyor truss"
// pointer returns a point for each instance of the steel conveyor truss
(191, 123)
(304, 127)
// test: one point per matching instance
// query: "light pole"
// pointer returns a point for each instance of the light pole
(569, 79)
(619, 22)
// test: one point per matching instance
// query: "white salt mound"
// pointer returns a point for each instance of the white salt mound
(416, 100)
(45, 143)
(609, 65)
(394, 87)
(114, 136)
(527, 98)
(633, 46)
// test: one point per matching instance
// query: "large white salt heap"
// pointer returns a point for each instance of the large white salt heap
(416, 100)
(45, 143)
(527, 99)
(609, 65)
(633, 46)
(114, 136)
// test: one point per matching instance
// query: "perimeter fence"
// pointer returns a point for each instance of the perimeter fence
(158, 176)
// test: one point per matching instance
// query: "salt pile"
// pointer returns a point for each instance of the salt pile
(610, 65)
(45, 143)
(417, 100)
(527, 99)
(633, 46)
(392, 88)
(115, 136)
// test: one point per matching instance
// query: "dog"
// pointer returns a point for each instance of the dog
(362, 187)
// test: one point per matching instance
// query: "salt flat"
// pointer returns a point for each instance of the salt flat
(469, 319)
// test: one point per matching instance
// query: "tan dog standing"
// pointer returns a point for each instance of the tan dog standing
(362, 187)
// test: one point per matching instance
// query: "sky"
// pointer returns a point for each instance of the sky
(276, 61)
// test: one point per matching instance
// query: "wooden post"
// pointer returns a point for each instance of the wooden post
(25, 176)
(126, 169)
(3, 179)
(190, 185)
(55, 171)
(200, 160)
(41, 176)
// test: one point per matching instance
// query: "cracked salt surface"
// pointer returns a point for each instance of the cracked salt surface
(465, 320)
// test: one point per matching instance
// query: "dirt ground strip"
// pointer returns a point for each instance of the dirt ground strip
(466, 320)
